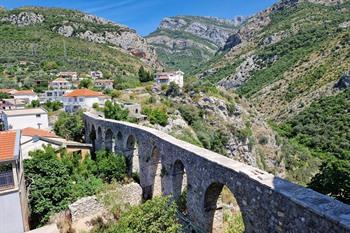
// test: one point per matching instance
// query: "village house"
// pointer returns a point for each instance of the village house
(134, 110)
(60, 84)
(82, 99)
(70, 76)
(104, 84)
(34, 139)
(96, 74)
(23, 118)
(53, 95)
(27, 95)
(7, 104)
(13, 202)
(165, 78)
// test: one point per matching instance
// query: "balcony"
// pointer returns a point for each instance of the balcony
(6, 181)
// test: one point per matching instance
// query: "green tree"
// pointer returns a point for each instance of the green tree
(34, 104)
(70, 126)
(53, 106)
(48, 183)
(173, 90)
(115, 111)
(144, 75)
(85, 83)
(333, 179)
(4, 96)
(110, 166)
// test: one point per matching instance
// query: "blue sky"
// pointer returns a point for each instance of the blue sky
(145, 15)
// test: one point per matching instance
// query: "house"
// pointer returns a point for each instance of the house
(70, 76)
(60, 84)
(53, 95)
(34, 139)
(23, 118)
(13, 201)
(165, 78)
(82, 99)
(7, 104)
(134, 110)
(96, 74)
(104, 84)
(27, 95)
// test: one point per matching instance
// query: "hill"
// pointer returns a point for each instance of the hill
(183, 42)
(36, 43)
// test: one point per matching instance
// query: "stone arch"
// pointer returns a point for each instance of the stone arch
(92, 138)
(119, 143)
(179, 179)
(154, 172)
(131, 155)
(99, 139)
(213, 206)
(109, 140)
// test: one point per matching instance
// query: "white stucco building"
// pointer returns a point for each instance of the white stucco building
(13, 198)
(27, 95)
(82, 99)
(23, 118)
(96, 74)
(60, 84)
(165, 78)
(54, 95)
(104, 84)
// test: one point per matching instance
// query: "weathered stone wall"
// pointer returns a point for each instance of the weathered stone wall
(267, 203)
(85, 207)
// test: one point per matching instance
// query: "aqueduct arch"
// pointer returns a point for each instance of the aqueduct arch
(109, 140)
(267, 203)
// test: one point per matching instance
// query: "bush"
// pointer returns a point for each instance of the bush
(115, 112)
(110, 166)
(173, 90)
(157, 116)
(155, 216)
(70, 126)
(53, 106)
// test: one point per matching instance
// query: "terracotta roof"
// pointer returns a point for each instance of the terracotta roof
(8, 145)
(31, 132)
(84, 93)
(25, 92)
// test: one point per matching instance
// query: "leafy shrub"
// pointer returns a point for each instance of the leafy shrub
(70, 126)
(173, 90)
(53, 106)
(115, 111)
(110, 166)
(156, 116)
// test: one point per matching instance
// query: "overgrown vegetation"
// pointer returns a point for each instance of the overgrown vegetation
(54, 181)
(324, 129)
(70, 126)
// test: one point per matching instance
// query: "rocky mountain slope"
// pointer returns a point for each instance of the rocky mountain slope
(183, 42)
(291, 62)
(48, 40)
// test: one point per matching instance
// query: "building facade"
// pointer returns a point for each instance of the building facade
(27, 95)
(165, 78)
(104, 84)
(54, 95)
(60, 84)
(23, 118)
(13, 202)
(82, 99)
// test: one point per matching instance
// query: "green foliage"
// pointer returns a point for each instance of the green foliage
(144, 75)
(115, 111)
(56, 181)
(70, 126)
(53, 106)
(156, 116)
(110, 166)
(234, 222)
(85, 83)
(126, 82)
(333, 179)
(173, 90)
(34, 104)
(324, 126)
(4, 96)
(155, 216)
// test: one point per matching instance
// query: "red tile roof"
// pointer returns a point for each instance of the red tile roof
(25, 92)
(8, 91)
(83, 93)
(7, 145)
(31, 132)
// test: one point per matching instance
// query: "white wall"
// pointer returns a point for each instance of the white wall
(83, 102)
(11, 213)
(29, 97)
(21, 122)
(27, 145)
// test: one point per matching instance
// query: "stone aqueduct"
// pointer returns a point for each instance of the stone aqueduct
(268, 203)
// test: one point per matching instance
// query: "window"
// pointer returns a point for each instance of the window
(81, 99)
(38, 115)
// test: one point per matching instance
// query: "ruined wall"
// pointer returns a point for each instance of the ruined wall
(267, 203)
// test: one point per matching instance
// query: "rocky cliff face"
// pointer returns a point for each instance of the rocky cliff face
(88, 27)
(195, 39)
